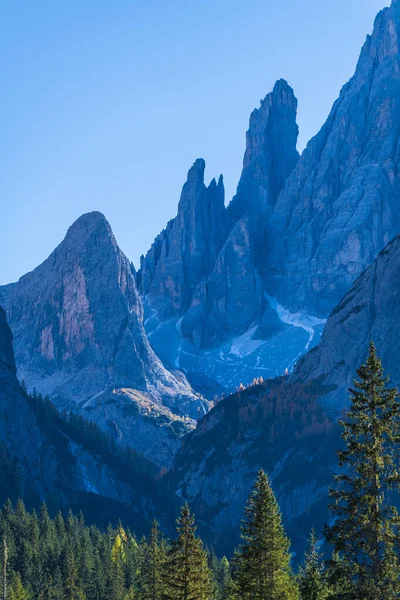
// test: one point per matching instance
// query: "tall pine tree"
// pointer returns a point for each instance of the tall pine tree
(186, 573)
(225, 588)
(263, 561)
(154, 557)
(366, 525)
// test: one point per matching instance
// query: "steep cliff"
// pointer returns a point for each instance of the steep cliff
(341, 204)
(369, 311)
(269, 158)
(300, 231)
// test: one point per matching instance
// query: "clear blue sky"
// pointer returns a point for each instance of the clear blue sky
(105, 104)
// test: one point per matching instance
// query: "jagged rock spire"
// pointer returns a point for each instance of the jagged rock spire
(186, 250)
(270, 154)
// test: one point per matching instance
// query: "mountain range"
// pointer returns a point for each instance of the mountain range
(285, 285)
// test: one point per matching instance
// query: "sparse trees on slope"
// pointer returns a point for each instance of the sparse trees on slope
(366, 526)
(263, 561)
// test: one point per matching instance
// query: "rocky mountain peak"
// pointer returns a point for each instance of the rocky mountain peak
(77, 321)
(270, 155)
(196, 171)
(383, 43)
(89, 233)
(195, 193)
(89, 221)
(340, 205)
(185, 252)
(204, 265)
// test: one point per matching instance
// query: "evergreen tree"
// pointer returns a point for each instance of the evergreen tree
(186, 574)
(154, 557)
(16, 589)
(225, 583)
(312, 579)
(213, 565)
(366, 525)
(263, 562)
(72, 590)
(116, 580)
(5, 569)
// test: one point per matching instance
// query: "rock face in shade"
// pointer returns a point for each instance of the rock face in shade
(369, 311)
(18, 430)
(77, 322)
(185, 252)
(341, 204)
(52, 467)
(232, 298)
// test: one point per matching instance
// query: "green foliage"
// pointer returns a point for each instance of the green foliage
(263, 562)
(153, 565)
(312, 577)
(63, 559)
(224, 583)
(186, 574)
(16, 589)
(365, 530)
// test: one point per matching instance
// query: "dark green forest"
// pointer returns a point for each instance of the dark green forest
(357, 557)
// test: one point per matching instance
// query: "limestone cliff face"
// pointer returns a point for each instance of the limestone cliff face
(232, 298)
(185, 252)
(77, 322)
(341, 204)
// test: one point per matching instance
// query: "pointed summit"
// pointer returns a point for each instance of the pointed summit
(283, 93)
(196, 172)
(89, 224)
(270, 155)
(93, 217)
(383, 43)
